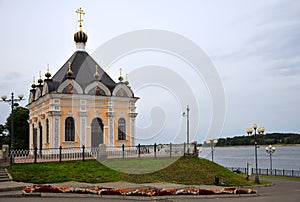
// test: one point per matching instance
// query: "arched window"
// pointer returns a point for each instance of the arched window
(121, 129)
(47, 130)
(69, 129)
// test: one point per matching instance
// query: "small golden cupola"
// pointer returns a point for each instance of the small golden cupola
(80, 37)
(48, 74)
(96, 75)
(33, 85)
(40, 80)
(126, 80)
(120, 77)
(69, 72)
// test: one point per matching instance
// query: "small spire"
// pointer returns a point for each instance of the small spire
(40, 80)
(69, 72)
(81, 13)
(47, 74)
(96, 75)
(120, 77)
(33, 85)
(126, 80)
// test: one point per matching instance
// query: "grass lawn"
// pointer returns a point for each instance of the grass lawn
(90, 171)
(140, 166)
(186, 170)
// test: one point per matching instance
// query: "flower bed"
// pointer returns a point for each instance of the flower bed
(135, 192)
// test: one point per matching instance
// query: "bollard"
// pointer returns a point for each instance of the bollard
(123, 150)
(170, 149)
(60, 148)
(154, 150)
(35, 154)
(217, 180)
(83, 152)
(139, 150)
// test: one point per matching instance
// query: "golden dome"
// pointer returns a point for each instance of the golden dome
(48, 74)
(40, 80)
(80, 37)
(33, 85)
(120, 77)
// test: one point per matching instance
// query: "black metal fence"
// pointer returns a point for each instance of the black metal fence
(273, 172)
(81, 153)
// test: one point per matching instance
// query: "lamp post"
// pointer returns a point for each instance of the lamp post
(14, 103)
(260, 130)
(187, 114)
(270, 150)
(212, 143)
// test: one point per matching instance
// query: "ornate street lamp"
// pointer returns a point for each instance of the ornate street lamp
(270, 150)
(187, 126)
(14, 103)
(212, 143)
(249, 131)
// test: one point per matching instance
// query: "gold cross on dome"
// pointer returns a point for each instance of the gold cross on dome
(81, 13)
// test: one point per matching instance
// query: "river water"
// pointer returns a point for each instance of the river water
(284, 157)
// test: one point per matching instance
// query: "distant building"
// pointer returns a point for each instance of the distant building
(81, 104)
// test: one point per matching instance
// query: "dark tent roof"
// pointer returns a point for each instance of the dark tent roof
(83, 68)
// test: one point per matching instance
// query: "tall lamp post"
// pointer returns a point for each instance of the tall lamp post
(260, 130)
(14, 103)
(270, 150)
(187, 114)
(212, 144)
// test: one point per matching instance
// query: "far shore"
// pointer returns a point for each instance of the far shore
(277, 145)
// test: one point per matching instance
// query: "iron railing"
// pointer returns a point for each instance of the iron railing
(81, 153)
(263, 171)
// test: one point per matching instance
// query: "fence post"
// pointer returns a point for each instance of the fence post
(154, 150)
(123, 151)
(184, 149)
(139, 150)
(35, 154)
(170, 149)
(275, 172)
(267, 171)
(60, 148)
(83, 147)
(283, 172)
(292, 173)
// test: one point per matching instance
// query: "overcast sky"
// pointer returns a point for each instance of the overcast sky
(254, 46)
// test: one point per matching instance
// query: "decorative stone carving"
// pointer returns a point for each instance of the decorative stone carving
(54, 113)
(133, 115)
(83, 114)
(41, 116)
(110, 114)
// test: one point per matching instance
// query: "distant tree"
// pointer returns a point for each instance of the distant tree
(21, 127)
(272, 138)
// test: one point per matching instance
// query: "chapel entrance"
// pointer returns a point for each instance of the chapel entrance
(96, 132)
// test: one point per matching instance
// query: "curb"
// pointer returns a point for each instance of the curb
(7, 189)
(150, 198)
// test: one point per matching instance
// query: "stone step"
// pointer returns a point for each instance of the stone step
(4, 176)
